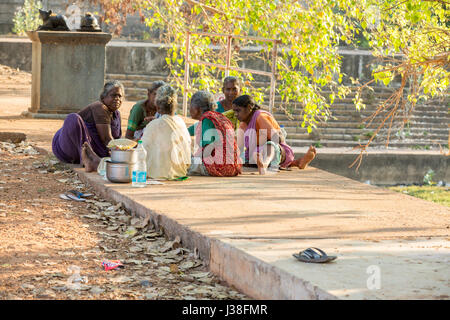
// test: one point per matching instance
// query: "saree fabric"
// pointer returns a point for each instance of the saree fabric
(261, 126)
(136, 119)
(168, 145)
(232, 117)
(68, 141)
(220, 158)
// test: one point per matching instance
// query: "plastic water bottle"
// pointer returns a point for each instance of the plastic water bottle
(283, 131)
(139, 178)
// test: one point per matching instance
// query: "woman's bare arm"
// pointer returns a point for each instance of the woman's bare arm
(104, 131)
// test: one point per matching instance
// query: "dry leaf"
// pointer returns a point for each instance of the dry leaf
(135, 249)
(199, 274)
(121, 279)
(130, 232)
(173, 268)
(91, 216)
(186, 265)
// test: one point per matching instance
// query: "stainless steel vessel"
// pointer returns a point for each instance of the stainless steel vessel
(128, 156)
(119, 172)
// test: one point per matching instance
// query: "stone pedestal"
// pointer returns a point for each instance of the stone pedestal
(68, 71)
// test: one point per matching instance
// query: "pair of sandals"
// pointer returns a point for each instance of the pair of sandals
(75, 195)
(313, 255)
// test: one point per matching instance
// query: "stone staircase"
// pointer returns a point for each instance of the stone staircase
(427, 127)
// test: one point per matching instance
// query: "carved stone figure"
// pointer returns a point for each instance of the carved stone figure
(89, 23)
(52, 22)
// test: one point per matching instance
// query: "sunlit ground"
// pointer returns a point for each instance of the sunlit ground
(436, 194)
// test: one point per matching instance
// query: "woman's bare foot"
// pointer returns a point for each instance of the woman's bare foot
(262, 166)
(307, 158)
(89, 157)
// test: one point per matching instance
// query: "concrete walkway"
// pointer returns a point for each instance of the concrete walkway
(389, 245)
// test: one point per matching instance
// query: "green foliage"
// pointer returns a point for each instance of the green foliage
(409, 37)
(27, 18)
(428, 178)
(440, 195)
(317, 144)
(308, 62)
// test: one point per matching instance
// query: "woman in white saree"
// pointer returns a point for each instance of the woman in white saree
(166, 139)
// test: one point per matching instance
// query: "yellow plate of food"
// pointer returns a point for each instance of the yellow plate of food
(122, 144)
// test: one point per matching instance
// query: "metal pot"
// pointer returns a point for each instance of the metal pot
(123, 156)
(119, 172)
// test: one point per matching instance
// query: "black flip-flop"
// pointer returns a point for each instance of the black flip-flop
(311, 256)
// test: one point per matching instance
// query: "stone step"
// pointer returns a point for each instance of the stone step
(354, 122)
(342, 117)
(149, 77)
(135, 90)
(337, 106)
(143, 81)
(350, 124)
(364, 137)
(406, 131)
(419, 145)
(137, 77)
(351, 107)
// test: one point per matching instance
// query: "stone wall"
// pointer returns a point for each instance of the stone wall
(133, 29)
(384, 168)
(16, 53)
(9, 7)
(7, 10)
(144, 58)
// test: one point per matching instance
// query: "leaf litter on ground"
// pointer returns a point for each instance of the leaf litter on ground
(150, 256)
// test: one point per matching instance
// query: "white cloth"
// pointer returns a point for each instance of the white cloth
(168, 145)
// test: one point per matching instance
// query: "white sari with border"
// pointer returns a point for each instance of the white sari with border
(168, 145)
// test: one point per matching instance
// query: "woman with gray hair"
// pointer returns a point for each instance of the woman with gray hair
(215, 150)
(166, 139)
(143, 112)
(84, 135)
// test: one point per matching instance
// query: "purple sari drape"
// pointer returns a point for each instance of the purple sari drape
(251, 142)
(68, 140)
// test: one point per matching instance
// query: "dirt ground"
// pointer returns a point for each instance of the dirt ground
(51, 248)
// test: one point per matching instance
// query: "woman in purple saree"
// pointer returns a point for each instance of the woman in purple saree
(84, 135)
(261, 139)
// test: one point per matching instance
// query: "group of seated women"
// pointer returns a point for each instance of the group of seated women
(229, 133)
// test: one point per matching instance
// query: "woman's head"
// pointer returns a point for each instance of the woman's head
(243, 107)
(151, 91)
(166, 99)
(112, 95)
(201, 102)
(231, 88)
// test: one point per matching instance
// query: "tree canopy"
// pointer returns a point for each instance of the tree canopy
(410, 38)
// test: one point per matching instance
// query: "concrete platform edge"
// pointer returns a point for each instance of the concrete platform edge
(259, 279)
(252, 276)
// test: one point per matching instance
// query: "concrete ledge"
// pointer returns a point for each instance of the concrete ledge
(38, 115)
(259, 279)
(247, 227)
(172, 228)
(384, 167)
(252, 276)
